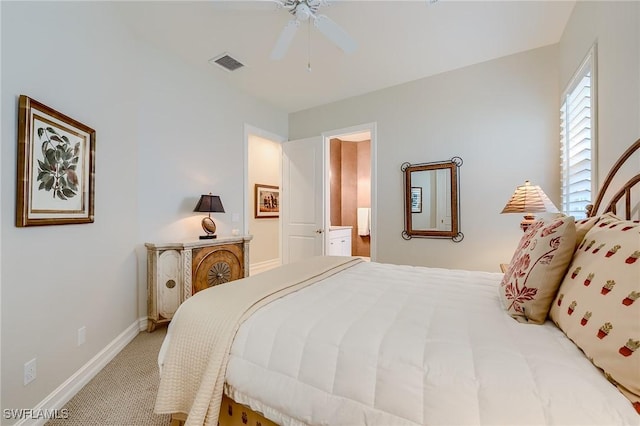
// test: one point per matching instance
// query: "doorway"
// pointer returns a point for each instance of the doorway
(263, 154)
(350, 197)
(292, 211)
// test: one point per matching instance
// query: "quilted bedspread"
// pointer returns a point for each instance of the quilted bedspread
(203, 329)
(400, 345)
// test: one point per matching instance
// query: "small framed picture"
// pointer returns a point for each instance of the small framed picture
(416, 199)
(267, 201)
(55, 167)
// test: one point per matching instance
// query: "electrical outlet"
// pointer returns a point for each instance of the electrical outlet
(29, 371)
(82, 335)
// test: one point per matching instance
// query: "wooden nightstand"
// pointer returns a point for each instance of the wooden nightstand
(176, 271)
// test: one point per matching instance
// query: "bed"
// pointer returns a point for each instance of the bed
(334, 340)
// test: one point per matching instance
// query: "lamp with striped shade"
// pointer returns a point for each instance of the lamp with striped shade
(529, 199)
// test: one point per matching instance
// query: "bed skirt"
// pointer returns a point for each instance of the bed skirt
(231, 414)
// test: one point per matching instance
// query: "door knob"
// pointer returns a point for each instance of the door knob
(319, 231)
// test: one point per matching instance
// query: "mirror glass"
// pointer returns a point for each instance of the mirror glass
(431, 197)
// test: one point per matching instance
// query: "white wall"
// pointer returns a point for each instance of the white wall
(56, 279)
(264, 168)
(499, 116)
(165, 134)
(1, 218)
(190, 142)
(615, 26)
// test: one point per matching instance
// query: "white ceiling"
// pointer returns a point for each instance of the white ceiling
(398, 41)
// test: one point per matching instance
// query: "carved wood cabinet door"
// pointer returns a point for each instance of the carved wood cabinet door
(175, 271)
(216, 265)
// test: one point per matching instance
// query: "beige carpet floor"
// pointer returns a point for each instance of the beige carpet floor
(124, 392)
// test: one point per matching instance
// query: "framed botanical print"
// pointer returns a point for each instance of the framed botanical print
(56, 167)
(267, 201)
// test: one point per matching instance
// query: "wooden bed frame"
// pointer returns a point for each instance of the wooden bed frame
(231, 414)
(625, 191)
(235, 414)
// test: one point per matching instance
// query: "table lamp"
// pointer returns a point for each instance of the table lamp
(529, 199)
(209, 204)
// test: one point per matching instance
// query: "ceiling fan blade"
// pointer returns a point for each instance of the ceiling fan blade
(337, 35)
(286, 36)
(247, 6)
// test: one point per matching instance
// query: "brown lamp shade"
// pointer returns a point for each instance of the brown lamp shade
(529, 199)
(209, 204)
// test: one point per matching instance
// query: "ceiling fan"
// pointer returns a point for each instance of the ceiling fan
(307, 10)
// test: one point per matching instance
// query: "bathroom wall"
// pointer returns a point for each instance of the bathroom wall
(350, 188)
(363, 165)
(335, 185)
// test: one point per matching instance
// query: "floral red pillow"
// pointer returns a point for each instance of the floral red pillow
(537, 268)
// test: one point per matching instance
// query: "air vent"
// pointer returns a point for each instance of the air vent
(226, 62)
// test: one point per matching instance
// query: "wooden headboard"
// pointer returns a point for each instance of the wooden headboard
(625, 191)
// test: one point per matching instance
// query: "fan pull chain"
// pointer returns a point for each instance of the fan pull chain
(309, 46)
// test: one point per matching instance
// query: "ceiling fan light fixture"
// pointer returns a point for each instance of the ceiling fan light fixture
(302, 12)
(306, 10)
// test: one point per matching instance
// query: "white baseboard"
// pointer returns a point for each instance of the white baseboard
(256, 268)
(142, 323)
(67, 390)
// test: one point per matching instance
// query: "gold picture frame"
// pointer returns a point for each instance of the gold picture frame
(267, 201)
(56, 167)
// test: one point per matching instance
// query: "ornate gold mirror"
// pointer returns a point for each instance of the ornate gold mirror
(431, 200)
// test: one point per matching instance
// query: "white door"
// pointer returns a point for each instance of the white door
(302, 207)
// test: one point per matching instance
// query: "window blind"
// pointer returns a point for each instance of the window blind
(576, 142)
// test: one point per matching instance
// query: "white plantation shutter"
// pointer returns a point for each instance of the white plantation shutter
(577, 140)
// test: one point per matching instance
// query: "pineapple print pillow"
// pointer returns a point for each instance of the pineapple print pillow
(597, 303)
(584, 225)
(537, 268)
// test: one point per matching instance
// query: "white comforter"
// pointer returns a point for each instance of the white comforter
(391, 345)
